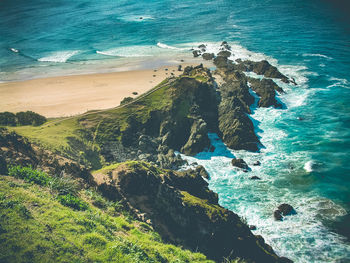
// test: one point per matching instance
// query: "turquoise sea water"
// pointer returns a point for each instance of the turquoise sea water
(306, 158)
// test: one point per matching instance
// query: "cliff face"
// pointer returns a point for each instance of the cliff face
(17, 150)
(178, 205)
(178, 114)
(184, 211)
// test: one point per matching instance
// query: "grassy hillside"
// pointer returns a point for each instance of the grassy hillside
(35, 226)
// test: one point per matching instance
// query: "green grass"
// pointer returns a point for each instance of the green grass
(52, 135)
(211, 210)
(36, 227)
(66, 137)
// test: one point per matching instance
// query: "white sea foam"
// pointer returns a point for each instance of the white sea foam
(339, 83)
(141, 51)
(14, 50)
(317, 55)
(140, 18)
(161, 45)
(129, 51)
(59, 57)
(309, 166)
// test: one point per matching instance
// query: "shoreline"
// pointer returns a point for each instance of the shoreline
(69, 95)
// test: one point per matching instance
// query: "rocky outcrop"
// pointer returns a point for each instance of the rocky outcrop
(240, 163)
(265, 89)
(261, 68)
(17, 150)
(221, 62)
(198, 139)
(283, 210)
(208, 56)
(184, 211)
(196, 53)
(224, 53)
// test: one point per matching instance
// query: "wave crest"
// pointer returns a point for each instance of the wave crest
(59, 57)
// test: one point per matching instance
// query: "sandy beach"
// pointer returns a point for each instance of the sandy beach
(72, 95)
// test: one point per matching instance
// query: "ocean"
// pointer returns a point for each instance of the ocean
(305, 158)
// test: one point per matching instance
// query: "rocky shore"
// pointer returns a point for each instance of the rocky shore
(129, 153)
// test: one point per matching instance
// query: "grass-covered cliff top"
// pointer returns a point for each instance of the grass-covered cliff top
(36, 227)
(81, 137)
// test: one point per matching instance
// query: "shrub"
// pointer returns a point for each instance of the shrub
(29, 174)
(73, 202)
(64, 185)
(98, 200)
(7, 118)
(30, 118)
(126, 100)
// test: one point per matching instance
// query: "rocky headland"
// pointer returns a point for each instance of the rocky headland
(129, 153)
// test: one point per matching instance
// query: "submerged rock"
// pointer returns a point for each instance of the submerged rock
(255, 178)
(257, 163)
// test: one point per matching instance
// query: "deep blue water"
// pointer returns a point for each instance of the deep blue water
(306, 159)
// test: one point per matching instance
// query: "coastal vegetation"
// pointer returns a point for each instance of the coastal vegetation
(108, 183)
(21, 118)
(37, 226)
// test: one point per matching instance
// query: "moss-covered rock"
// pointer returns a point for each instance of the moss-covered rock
(184, 211)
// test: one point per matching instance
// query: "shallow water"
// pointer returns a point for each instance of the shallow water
(305, 160)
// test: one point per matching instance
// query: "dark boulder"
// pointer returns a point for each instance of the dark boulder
(286, 209)
(266, 90)
(265, 68)
(240, 163)
(179, 68)
(252, 227)
(220, 62)
(208, 56)
(283, 210)
(255, 178)
(257, 163)
(224, 53)
(225, 46)
(196, 53)
(202, 47)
